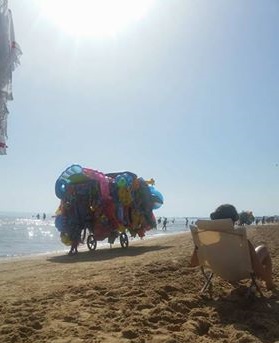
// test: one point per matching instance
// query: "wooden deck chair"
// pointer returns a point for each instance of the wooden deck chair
(224, 250)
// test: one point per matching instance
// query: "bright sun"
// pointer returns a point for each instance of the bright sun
(97, 18)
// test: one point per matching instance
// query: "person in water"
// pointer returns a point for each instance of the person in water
(260, 256)
(165, 221)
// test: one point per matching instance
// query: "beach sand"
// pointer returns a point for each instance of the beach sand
(146, 293)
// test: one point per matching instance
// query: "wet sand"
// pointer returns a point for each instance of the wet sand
(143, 294)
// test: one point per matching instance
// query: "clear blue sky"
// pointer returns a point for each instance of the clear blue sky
(188, 95)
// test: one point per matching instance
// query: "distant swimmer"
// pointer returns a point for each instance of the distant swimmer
(165, 221)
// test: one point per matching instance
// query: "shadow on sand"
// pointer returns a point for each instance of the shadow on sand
(106, 254)
(258, 316)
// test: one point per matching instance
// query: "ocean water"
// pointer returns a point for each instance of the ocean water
(24, 235)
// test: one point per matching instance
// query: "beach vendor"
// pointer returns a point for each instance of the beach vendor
(260, 256)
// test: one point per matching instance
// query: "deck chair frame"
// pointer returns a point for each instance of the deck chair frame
(208, 283)
(210, 235)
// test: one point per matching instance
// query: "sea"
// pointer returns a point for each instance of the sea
(22, 234)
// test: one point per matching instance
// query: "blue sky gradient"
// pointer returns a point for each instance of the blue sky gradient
(188, 96)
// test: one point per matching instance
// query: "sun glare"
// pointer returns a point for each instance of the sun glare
(95, 17)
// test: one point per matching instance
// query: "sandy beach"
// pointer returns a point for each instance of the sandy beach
(146, 293)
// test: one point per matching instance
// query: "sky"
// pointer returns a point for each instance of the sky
(186, 94)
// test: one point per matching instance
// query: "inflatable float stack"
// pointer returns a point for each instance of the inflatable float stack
(105, 204)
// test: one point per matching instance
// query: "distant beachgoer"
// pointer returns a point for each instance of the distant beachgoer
(186, 222)
(44, 216)
(38, 216)
(260, 257)
(159, 220)
(173, 220)
(165, 221)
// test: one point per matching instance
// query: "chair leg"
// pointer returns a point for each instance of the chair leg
(254, 283)
(208, 280)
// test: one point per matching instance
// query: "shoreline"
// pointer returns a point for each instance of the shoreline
(83, 247)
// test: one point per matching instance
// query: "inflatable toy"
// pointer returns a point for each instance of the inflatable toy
(157, 198)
